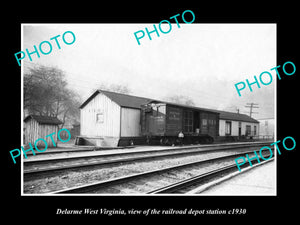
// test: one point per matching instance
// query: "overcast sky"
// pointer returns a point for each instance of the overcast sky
(202, 61)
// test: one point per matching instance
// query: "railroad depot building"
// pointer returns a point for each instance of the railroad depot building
(106, 117)
(114, 119)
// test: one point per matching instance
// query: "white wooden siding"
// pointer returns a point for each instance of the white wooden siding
(244, 124)
(235, 127)
(109, 124)
(130, 122)
(222, 127)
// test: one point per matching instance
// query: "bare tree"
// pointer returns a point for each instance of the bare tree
(180, 99)
(119, 88)
(46, 94)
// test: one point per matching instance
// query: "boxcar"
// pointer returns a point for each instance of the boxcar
(162, 122)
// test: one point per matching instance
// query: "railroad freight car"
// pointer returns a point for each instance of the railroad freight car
(161, 122)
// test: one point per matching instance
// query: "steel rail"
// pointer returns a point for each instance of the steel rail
(94, 148)
(141, 156)
(175, 187)
(103, 184)
(190, 181)
(224, 146)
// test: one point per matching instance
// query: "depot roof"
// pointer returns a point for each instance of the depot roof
(123, 100)
(224, 115)
(184, 106)
(131, 101)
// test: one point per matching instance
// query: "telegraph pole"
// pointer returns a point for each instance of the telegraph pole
(251, 106)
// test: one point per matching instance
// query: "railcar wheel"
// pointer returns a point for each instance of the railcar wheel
(166, 141)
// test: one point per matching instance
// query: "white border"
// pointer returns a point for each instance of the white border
(22, 112)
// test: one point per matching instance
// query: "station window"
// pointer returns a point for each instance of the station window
(254, 130)
(99, 118)
(228, 128)
(248, 130)
(204, 122)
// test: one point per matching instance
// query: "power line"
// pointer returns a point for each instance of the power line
(251, 106)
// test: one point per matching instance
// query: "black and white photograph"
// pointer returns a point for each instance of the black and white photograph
(161, 116)
(139, 112)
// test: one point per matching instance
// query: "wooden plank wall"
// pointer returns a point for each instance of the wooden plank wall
(110, 116)
(31, 131)
(34, 131)
(46, 129)
(130, 122)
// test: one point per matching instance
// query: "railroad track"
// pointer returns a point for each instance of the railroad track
(51, 165)
(166, 180)
(189, 184)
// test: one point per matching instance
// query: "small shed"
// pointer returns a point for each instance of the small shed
(36, 127)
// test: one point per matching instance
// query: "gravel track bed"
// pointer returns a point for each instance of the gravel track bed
(81, 177)
(147, 184)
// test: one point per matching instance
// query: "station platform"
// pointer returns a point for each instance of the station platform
(257, 180)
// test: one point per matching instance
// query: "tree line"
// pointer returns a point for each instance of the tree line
(46, 94)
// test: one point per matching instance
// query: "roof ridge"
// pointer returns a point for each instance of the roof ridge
(230, 112)
(100, 90)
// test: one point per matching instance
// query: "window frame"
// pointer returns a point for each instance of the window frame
(99, 117)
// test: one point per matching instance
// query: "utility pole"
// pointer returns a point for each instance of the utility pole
(251, 106)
